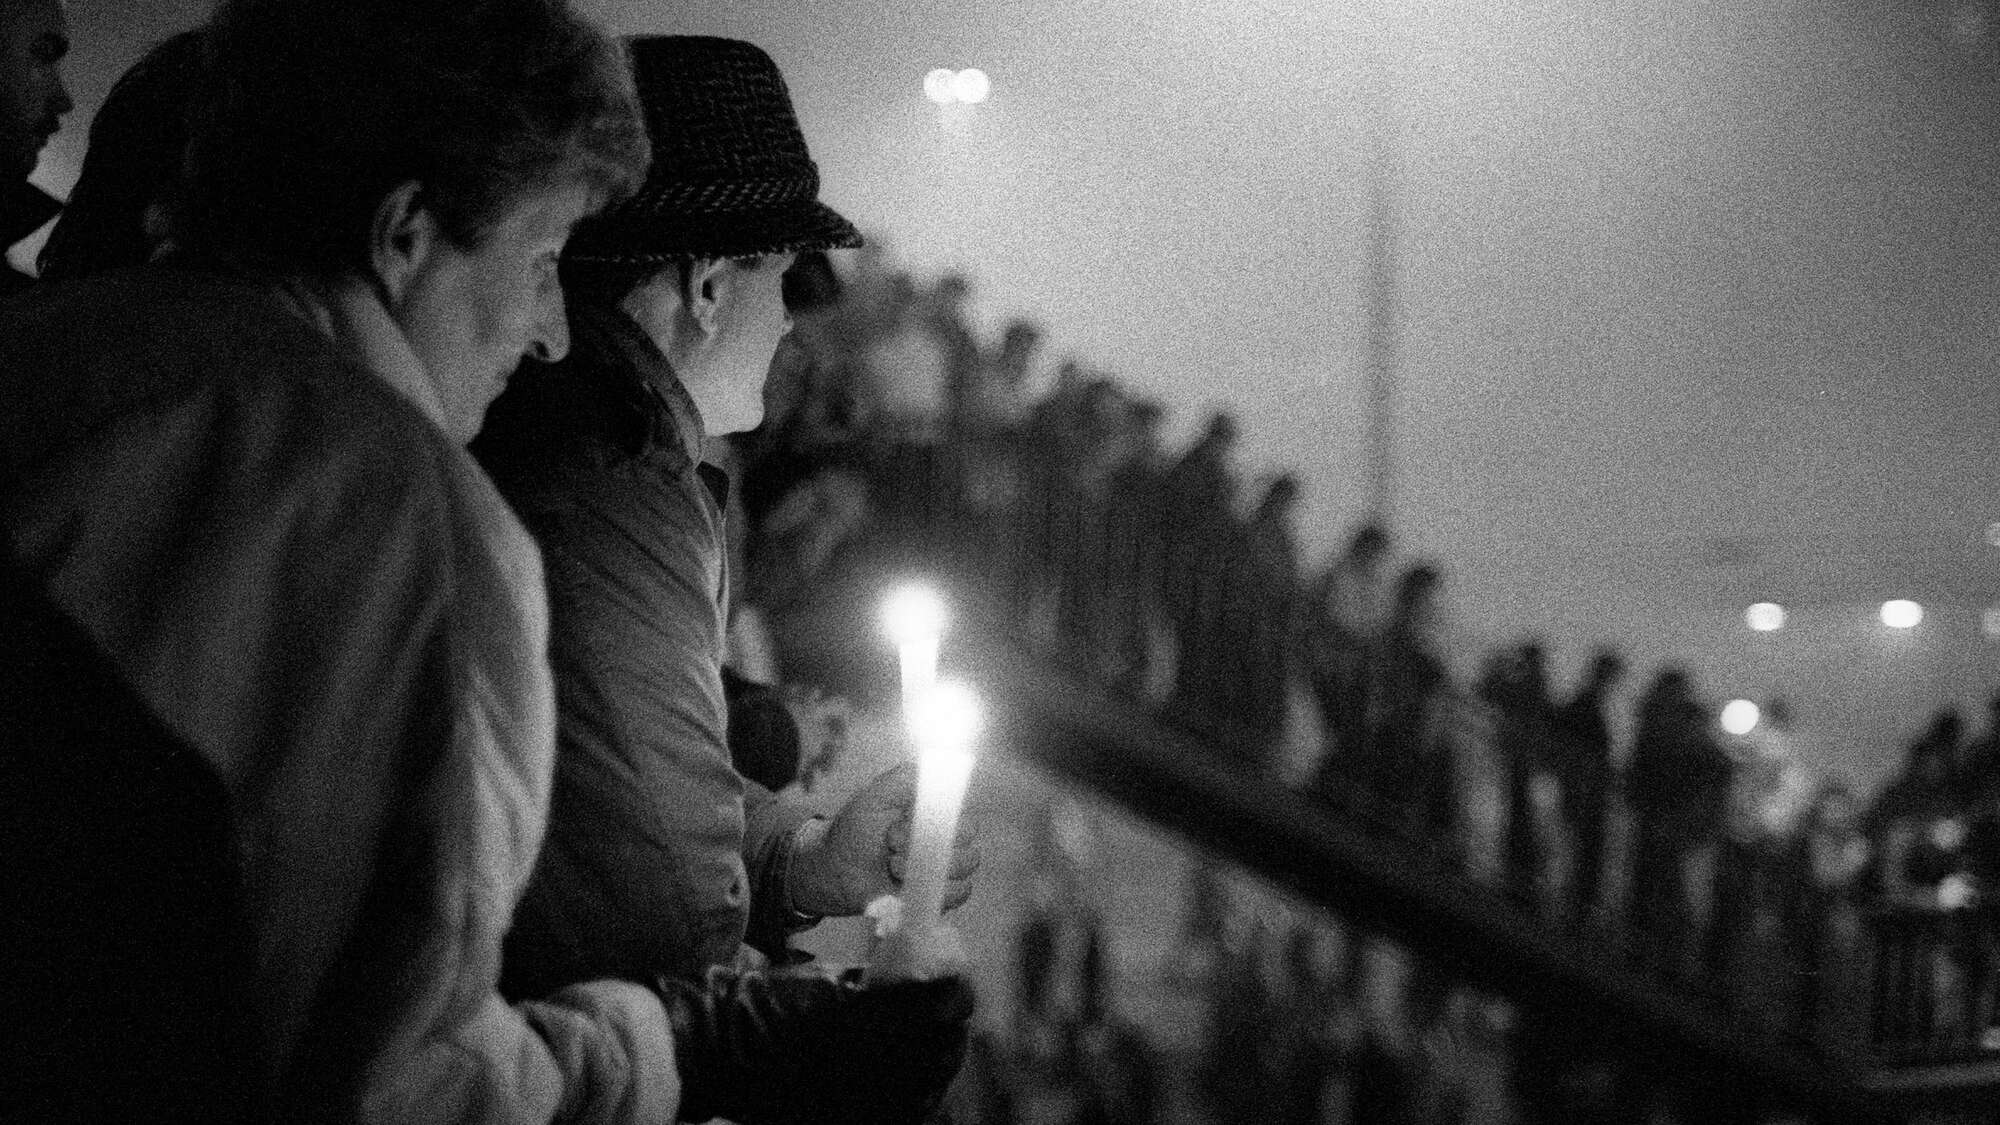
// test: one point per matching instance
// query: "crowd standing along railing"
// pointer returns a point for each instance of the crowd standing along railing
(1179, 612)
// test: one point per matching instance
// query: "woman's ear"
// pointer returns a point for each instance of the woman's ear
(402, 237)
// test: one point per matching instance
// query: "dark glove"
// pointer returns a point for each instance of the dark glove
(802, 1045)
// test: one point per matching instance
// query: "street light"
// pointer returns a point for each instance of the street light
(970, 86)
(1902, 613)
(1765, 617)
(1739, 716)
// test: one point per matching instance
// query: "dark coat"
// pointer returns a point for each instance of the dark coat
(657, 851)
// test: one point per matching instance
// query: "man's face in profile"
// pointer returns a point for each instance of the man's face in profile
(34, 38)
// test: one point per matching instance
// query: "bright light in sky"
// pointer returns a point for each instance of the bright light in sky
(1993, 534)
(937, 86)
(1991, 622)
(957, 87)
(1765, 617)
(1739, 716)
(1902, 614)
(972, 86)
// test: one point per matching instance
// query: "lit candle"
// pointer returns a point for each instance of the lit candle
(944, 723)
(915, 617)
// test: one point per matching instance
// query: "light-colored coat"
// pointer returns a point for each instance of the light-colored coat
(240, 491)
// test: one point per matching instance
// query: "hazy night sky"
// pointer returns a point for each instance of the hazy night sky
(1698, 295)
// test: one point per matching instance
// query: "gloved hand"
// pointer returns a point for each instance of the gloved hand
(842, 865)
(806, 1046)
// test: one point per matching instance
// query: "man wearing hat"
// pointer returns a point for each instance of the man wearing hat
(660, 858)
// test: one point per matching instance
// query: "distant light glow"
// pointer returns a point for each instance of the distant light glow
(971, 85)
(958, 87)
(1956, 892)
(1990, 621)
(1739, 716)
(1993, 534)
(1902, 614)
(1948, 835)
(1765, 617)
(937, 86)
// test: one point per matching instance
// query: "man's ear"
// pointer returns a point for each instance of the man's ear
(702, 286)
(402, 237)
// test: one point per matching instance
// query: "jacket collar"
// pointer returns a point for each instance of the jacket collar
(350, 313)
(673, 421)
(23, 209)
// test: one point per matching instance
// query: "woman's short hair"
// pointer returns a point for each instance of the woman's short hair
(314, 110)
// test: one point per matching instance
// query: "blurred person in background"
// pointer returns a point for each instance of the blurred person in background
(119, 208)
(1768, 794)
(1404, 769)
(1823, 891)
(1346, 611)
(1517, 686)
(661, 858)
(1677, 784)
(1582, 757)
(1269, 597)
(1979, 759)
(34, 40)
(1920, 829)
(1915, 824)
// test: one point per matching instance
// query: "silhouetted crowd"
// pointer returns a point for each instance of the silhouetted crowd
(896, 439)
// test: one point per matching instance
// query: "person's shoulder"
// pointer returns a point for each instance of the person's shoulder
(559, 419)
(148, 332)
(182, 352)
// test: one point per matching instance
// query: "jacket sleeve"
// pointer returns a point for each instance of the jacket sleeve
(643, 871)
(291, 600)
(770, 827)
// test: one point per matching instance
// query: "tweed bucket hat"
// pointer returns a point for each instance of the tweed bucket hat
(731, 177)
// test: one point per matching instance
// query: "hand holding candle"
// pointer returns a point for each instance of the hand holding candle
(915, 942)
(944, 725)
(943, 720)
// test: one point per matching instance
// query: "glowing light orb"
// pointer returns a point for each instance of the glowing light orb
(1902, 613)
(1990, 622)
(1739, 716)
(937, 86)
(1765, 617)
(1993, 534)
(971, 85)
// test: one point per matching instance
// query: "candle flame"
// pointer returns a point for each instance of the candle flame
(914, 615)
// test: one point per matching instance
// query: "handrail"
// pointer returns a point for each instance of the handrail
(1102, 742)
